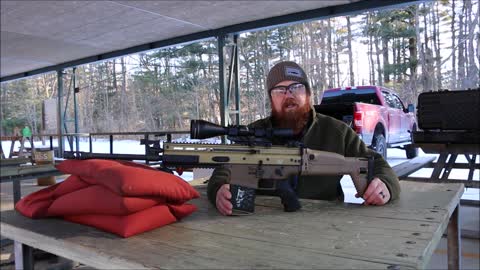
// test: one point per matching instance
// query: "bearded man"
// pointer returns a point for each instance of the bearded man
(290, 97)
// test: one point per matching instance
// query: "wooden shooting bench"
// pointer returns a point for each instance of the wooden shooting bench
(400, 235)
(18, 169)
(449, 145)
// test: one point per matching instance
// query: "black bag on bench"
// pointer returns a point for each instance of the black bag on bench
(449, 110)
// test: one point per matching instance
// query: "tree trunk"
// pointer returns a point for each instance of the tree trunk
(323, 77)
(123, 101)
(472, 70)
(377, 54)
(453, 83)
(331, 77)
(371, 62)
(395, 59)
(461, 51)
(337, 64)
(478, 44)
(426, 59)
(114, 75)
(349, 49)
(386, 62)
(436, 44)
(413, 49)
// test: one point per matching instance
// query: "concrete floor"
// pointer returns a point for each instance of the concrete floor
(469, 216)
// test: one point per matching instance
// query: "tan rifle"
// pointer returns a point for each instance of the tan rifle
(251, 162)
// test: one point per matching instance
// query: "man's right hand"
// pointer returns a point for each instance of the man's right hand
(222, 201)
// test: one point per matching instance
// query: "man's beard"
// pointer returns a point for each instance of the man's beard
(295, 119)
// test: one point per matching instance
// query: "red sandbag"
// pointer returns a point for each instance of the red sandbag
(98, 200)
(132, 224)
(182, 210)
(130, 179)
(70, 184)
(36, 204)
(120, 197)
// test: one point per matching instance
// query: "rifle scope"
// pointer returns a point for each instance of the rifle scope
(201, 129)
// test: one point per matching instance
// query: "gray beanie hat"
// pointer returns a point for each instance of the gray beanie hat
(286, 71)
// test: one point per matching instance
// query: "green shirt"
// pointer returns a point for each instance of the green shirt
(26, 132)
(326, 134)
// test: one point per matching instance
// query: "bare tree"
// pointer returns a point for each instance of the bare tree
(331, 78)
(349, 49)
(377, 54)
(323, 77)
(454, 58)
(436, 46)
(386, 62)
(472, 70)
(371, 62)
(461, 50)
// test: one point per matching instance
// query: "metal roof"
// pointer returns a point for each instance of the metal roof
(42, 36)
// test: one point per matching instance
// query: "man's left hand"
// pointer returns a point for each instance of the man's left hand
(377, 193)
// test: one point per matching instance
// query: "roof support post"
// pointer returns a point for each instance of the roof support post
(60, 124)
(237, 80)
(221, 81)
(228, 62)
(75, 109)
(233, 79)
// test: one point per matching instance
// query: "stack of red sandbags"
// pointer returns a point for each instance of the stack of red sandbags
(121, 197)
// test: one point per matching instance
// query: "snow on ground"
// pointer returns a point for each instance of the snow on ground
(395, 156)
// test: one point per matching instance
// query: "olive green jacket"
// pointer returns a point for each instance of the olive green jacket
(326, 134)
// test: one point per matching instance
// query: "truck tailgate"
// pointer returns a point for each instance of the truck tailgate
(340, 111)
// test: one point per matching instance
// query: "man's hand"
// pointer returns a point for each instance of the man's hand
(376, 194)
(222, 200)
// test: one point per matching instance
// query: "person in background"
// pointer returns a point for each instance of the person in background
(26, 132)
(290, 96)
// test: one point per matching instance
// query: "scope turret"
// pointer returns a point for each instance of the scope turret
(201, 129)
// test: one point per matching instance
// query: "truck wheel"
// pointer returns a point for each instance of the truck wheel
(380, 145)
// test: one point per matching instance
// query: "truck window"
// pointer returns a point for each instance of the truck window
(389, 99)
(398, 102)
(353, 95)
(392, 100)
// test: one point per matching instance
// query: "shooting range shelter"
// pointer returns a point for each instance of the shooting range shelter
(39, 37)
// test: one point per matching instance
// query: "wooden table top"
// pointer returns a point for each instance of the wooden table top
(323, 234)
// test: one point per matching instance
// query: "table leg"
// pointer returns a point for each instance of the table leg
(440, 164)
(23, 256)
(471, 165)
(454, 243)
(17, 192)
(449, 166)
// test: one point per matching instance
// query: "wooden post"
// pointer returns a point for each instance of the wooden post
(454, 248)
(23, 256)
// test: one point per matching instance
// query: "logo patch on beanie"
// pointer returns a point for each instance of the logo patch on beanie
(292, 71)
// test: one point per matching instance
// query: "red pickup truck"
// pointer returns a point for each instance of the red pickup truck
(377, 115)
